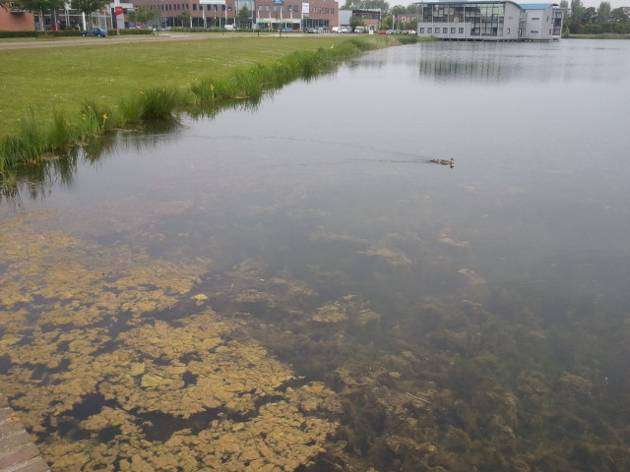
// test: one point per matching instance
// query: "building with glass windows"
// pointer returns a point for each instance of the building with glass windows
(490, 20)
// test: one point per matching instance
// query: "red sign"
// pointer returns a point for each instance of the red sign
(118, 11)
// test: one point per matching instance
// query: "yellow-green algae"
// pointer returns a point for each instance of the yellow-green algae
(90, 334)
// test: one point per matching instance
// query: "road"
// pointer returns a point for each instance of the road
(33, 43)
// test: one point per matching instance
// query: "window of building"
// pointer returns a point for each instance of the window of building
(461, 31)
(453, 30)
(421, 30)
(444, 30)
(534, 32)
(508, 31)
(429, 30)
(535, 19)
(194, 6)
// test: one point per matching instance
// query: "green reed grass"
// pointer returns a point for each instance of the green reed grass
(35, 141)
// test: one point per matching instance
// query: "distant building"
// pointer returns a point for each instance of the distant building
(13, 18)
(371, 17)
(264, 14)
(296, 14)
(490, 20)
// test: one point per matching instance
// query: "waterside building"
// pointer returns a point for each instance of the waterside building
(490, 20)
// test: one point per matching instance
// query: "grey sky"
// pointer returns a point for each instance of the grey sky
(587, 3)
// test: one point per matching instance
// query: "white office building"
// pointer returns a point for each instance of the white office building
(490, 20)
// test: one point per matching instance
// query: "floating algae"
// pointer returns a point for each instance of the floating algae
(107, 386)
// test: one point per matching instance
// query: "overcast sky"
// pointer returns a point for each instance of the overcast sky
(587, 3)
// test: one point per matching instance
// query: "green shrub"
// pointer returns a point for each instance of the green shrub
(130, 31)
(18, 34)
(408, 39)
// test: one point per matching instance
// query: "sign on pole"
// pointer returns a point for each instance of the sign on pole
(305, 8)
(118, 10)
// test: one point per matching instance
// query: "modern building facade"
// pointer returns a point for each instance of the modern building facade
(263, 14)
(490, 20)
(296, 14)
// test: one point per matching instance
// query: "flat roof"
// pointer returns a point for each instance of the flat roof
(535, 6)
(464, 2)
(522, 6)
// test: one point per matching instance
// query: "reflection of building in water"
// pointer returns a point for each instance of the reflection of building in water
(462, 70)
(490, 20)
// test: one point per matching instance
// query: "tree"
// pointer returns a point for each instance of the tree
(387, 22)
(412, 9)
(244, 17)
(185, 18)
(358, 4)
(355, 21)
(589, 15)
(603, 12)
(39, 7)
(88, 6)
(577, 10)
(619, 15)
(143, 14)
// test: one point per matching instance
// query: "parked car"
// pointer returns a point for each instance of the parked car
(360, 29)
(95, 32)
(229, 28)
(345, 29)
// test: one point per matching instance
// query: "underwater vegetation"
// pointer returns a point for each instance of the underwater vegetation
(119, 360)
(113, 374)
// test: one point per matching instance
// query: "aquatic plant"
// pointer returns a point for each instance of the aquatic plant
(181, 394)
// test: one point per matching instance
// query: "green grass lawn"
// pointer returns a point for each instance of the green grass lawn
(60, 78)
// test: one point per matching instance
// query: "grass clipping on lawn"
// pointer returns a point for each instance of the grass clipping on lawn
(39, 138)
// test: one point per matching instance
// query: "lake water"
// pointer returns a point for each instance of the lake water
(296, 286)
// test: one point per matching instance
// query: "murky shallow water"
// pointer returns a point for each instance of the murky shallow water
(297, 287)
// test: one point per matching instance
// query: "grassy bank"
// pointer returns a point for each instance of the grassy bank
(600, 36)
(149, 86)
(62, 78)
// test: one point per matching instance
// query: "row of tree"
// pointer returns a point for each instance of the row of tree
(593, 20)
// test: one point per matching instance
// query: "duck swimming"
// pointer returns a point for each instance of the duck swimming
(444, 162)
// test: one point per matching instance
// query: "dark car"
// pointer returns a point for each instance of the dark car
(96, 32)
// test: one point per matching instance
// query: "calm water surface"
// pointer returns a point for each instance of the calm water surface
(423, 317)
